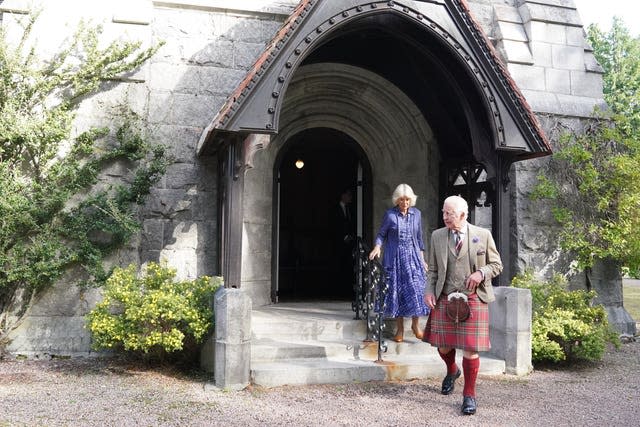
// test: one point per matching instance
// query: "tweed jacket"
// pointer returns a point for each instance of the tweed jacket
(482, 251)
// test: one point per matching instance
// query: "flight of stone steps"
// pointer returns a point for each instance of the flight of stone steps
(320, 343)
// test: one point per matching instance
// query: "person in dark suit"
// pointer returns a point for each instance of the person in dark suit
(462, 260)
(343, 228)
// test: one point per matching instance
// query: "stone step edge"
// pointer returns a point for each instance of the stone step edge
(273, 350)
(343, 370)
(488, 365)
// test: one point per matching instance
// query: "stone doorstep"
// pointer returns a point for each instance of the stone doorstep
(349, 370)
(300, 330)
(314, 321)
(269, 350)
(321, 343)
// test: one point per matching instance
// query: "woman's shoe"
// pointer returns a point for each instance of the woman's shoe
(417, 332)
(398, 337)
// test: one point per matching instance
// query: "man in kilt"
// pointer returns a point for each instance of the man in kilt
(462, 259)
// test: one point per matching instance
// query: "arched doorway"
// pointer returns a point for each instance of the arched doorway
(314, 167)
(420, 88)
(356, 127)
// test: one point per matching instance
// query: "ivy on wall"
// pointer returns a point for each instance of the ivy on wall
(56, 213)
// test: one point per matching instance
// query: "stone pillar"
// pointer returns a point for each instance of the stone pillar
(606, 280)
(510, 329)
(232, 339)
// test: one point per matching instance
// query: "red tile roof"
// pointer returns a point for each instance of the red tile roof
(261, 63)
(296, 18)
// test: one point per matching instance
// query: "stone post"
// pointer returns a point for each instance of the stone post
(510, 329)
(605, 278)
(232, 339)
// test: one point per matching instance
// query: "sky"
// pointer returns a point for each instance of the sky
(601, 12)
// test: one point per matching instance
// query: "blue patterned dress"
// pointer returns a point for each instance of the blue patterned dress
(402, 235)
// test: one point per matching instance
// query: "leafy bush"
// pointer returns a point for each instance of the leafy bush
(152, 314)
(566, 325)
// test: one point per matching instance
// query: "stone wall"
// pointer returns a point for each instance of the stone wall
(209, 46)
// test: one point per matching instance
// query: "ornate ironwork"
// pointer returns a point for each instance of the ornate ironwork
(370, 288)
(470, 181)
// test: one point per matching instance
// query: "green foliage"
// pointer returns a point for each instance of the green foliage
(566, 326)
(42, 233)
(55, 211)
(38, 98)
(592, 183)
(592, 179)
(619, 55)
(152, 313)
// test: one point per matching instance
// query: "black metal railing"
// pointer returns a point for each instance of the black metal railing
(370, 288)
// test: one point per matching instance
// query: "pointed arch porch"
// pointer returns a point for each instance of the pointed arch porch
(474, 104)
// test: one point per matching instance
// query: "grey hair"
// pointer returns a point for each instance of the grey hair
(458, 203)
(404, 190)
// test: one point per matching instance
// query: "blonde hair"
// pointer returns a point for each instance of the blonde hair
(404, 190)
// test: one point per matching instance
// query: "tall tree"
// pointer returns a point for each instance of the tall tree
(595, 172)
(619, 55)
(592, 180)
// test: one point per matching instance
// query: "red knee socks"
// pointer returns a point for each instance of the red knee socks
(470, 368)
(450, 361)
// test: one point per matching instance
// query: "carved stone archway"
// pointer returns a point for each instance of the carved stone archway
(433, 51)
(387, 126)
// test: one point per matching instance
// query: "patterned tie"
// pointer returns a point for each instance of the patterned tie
(458, 240)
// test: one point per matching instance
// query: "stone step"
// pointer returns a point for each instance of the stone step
(277, 323)
(265, 350)
(307, 330)
(341, 370)
(304, 322)
(321, 343)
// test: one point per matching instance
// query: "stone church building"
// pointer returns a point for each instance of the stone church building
(448, 96)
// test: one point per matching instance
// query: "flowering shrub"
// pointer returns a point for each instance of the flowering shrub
(152, 313)
(566, 325)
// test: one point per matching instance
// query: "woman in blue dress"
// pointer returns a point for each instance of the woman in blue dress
(403, 261)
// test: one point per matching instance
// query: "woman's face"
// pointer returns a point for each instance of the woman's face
(403, 203)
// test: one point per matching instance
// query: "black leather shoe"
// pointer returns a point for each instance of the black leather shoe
(469, 405)
(449, 382)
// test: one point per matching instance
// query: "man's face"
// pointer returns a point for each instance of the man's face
(453, 218)
(346, 197)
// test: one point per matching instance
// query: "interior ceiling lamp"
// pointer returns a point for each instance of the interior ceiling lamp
(299, 163)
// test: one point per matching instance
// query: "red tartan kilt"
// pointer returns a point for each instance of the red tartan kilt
(470, 335)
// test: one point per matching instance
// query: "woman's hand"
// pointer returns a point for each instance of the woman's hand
(430, 300)
(375, 253)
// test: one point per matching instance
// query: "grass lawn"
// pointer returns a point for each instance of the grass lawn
(632, 301)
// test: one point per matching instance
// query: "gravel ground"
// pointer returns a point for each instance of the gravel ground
(108, 392)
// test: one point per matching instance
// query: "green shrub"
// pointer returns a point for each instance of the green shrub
(566, 326)
(153, 314)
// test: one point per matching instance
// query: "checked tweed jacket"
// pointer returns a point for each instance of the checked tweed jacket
(483, 253)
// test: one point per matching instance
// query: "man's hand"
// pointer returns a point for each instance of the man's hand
(473, 280)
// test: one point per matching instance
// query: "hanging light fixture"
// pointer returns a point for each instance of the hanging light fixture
(299, 163)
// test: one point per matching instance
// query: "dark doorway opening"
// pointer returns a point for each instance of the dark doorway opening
(309, 254)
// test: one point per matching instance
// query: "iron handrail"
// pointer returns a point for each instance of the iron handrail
(371, 286)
